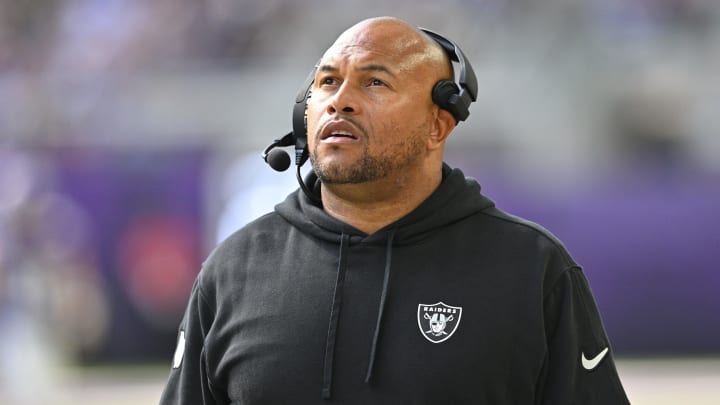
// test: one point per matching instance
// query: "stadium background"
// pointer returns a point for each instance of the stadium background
(130, 135)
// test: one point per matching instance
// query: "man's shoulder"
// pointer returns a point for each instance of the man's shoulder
(247, 237)
(270, 222)
(520, 224)
(524, 230)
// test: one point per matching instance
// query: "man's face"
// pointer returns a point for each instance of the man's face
(370, 111)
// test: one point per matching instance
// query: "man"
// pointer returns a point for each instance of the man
(392, 280)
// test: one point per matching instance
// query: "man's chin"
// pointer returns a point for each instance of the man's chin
(340, 178)
(344, 174)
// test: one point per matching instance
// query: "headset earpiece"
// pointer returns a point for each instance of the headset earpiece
(449, 95)
(443, 94)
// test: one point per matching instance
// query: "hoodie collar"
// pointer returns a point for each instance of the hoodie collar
(456, 197)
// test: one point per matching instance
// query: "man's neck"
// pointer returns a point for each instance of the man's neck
(371, 206)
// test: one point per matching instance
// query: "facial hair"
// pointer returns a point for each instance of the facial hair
(369, 166)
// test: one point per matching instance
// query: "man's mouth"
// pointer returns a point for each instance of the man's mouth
(339, 132)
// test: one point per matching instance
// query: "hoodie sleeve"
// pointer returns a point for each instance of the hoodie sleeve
(579, 368)
(188, 382)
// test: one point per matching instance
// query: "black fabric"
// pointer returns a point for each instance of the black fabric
(456, 303)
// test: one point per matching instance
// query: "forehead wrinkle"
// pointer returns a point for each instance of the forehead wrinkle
(374, 67)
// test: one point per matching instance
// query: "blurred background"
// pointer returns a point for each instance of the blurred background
(130, 141)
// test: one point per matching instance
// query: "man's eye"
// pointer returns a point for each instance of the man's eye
(329, 81)
(377, 82)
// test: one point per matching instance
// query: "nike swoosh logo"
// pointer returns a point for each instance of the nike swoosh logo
(590, 364)
(179, 350)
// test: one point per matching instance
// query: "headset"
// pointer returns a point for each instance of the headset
(447, 94)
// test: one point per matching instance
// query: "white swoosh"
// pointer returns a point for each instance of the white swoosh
(179, 350)
(592, 363)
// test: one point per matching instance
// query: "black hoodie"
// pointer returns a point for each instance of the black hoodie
(456, 303)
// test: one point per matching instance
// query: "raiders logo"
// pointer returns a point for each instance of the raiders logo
(439, 321)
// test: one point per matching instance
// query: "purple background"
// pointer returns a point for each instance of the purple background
(648, 240)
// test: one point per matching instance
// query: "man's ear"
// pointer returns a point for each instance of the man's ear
(443, 124)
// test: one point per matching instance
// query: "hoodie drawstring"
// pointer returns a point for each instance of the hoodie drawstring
(335, 313)
(381, 308)
(334, 317)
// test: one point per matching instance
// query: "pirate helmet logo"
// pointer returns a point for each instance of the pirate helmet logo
(438, 321)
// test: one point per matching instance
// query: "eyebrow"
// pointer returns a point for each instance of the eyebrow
(367, 68)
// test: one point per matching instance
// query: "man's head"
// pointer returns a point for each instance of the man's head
(371, 114)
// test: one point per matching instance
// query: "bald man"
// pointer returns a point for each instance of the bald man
(389, 279)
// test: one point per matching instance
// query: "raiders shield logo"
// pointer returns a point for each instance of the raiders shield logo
(438, 322)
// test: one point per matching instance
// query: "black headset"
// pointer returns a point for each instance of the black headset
(447, 94)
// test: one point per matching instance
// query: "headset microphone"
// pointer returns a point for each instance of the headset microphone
(278, 159)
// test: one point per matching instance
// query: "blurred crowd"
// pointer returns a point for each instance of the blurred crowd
(124, 126)
(579, 83)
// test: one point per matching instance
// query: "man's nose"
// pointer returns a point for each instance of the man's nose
(344, 101)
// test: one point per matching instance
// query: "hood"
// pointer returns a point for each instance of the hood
(456, 198)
